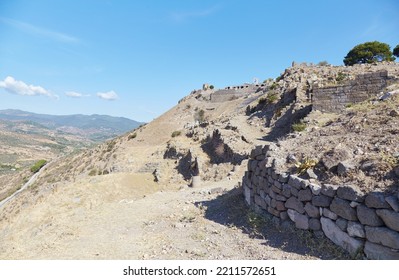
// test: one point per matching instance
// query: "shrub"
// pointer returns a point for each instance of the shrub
(298, 127)
(396, 51)
(273, 86)
(199, 116)
(132, 136)
(211, 87)
(176, 133)
(93, 172)
(322, 63)
(38, 165)
(341, 76)
(272, 97)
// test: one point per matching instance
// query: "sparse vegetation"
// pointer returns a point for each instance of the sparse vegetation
(93, 172)
(199, 116)
(305, 164)
(299, 126)
(323, 63)
(38, 165)
(341, 77)
(132, 136)
(211, 87)
(272, 97)
(176, 133)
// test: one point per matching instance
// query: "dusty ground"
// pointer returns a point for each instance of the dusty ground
(117, 218)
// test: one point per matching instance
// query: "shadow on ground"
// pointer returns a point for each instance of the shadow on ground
(230, 209)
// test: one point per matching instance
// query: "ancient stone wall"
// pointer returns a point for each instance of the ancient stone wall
(234, 92)
(353, 220)
(336, 98)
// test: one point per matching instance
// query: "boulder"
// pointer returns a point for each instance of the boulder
(314, 224)
(321, 201)
(376, 200)
(340, 238)
(378, 252)
(329, 190)
(342, 224)
(316, 189)
(343, 209)
(383, 236)
(345, 167)
(390, 218)
(329, 214)
(356, 230)
(294, 203)
(368, 216)
(393, 202)
(301, 221)
(350, 193)
(312, 211)
(305, 195)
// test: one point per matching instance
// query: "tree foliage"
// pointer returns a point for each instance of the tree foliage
(396, 51)
(369, 52)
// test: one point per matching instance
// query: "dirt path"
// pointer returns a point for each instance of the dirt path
(85, 222)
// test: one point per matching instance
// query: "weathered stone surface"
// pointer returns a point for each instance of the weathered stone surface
(283, 215)
(260, 202)
(343, 209)
(280, 198)
(283, 178)
(305, 195)
(247, 194)
(268, 200)
(314, 224)
(390, 218)
(295, 181)
(321, 201)
(301, 221)
(316, 189)
(256, 152)
(342, 224)
(354, 204)
(275, 189)
(345, 167)
(280, 206)
(378, 252)
(329, 214)
(368, 216)
(376, 200)
(393, 202)
(329, 190)
(286, 190)
(383, 236)
(340, 238)
(312, 211)
(350, 193)
(278, 185)
(356, 230)
(273, 211)
(294, 203)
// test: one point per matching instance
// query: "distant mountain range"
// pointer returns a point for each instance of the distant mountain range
(94, 127)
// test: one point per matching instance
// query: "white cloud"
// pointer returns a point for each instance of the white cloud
(109, 95)
(21, 88)
(39, 31)
(187, 15)
(73, 94)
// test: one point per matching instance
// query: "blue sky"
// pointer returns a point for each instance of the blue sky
(136, 59)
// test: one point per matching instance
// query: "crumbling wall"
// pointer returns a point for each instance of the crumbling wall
(336, 98)
(353, 220)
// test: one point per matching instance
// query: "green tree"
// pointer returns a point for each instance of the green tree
(396, 51)
(369, 52)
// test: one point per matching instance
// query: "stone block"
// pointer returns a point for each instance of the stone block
(321, 201)
(256, 152)
(343, 209)
(368, 216)
(383, 236)
(390, 218)
(329, 214)
(342, 224)
(350, 193)
(301, 221)
(273, 211)
(283, 215)
(312, 211)
(286, 190)
(294, 203)
(305, 195)
(283, 178)
(295, 181)
(340, 238)
(376, 200)
(268, 200)
(280, 206)
(356, 230)
(393, 202)
(316, 189)
(247, 195)
(378, 252)
(314, 224)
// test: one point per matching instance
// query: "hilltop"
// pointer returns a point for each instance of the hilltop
(185, 168)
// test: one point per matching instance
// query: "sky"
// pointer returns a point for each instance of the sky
(137, 59)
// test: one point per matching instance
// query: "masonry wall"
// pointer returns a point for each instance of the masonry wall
(336, 98)
(353, 220)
